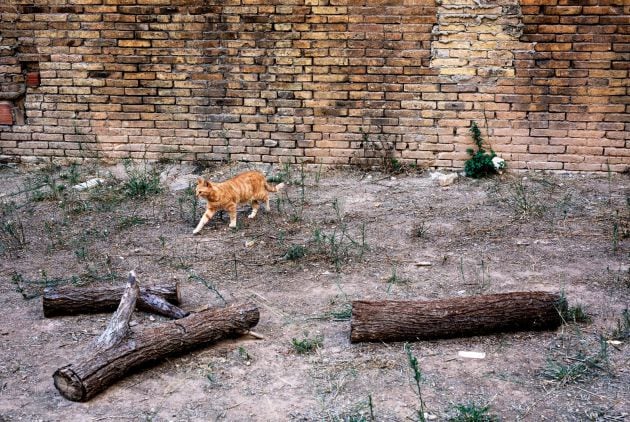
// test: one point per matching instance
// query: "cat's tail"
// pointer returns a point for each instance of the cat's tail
(272, 188)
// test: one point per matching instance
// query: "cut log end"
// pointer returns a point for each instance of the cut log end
(69, 384)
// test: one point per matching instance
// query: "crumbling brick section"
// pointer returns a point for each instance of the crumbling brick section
(339, 82)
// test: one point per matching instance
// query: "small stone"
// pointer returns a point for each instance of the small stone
(448, 179)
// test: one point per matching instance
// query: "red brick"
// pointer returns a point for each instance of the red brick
(325, 74)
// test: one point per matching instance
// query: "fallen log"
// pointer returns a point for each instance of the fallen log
(389, 320)
(68, 300)
(121, 349)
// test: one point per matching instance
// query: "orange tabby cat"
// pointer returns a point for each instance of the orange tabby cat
(250, 186)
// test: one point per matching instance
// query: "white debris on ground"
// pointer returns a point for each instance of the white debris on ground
(88, 184)
(443, 179)
(178, 177)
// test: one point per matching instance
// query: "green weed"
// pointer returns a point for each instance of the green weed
(344, 313)
(283, 176)
(295, 252)
(210, 376)
(307, 345)
(418, 378)
(318, 175)
(297, 204)
(105, 198)
(81, 253)
(381, 150)
(394, 278)
(622, 330)
(577, 314)
(55, 230)
(142, 181)
(209, 285)
(46, 185)
(577, 368)
(420, 230)
(524, 201)
(338, 245)
(472, 412)
(243, 354)
(30, 289)
(188, 204)
(480, 162)
(11, 228)
(72, 175)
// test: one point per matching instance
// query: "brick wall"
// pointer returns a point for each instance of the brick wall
(323, 81)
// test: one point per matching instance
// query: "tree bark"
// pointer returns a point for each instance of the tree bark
(67, 300)
(99, 367)
(389, 320)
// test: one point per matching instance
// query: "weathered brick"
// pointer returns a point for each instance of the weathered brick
(302, 75)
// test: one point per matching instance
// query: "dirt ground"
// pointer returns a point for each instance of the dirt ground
(332, 237)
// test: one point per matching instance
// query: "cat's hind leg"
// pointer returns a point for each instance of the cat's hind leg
(204, 220)
(267, 207)
(255, 207)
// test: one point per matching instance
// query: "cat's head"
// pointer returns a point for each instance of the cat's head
(204, 188)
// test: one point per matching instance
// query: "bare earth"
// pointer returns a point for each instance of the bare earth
(364, 235)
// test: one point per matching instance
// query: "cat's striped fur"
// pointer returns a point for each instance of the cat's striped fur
(250, 186)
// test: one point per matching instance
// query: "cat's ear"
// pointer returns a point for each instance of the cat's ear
(202, 182)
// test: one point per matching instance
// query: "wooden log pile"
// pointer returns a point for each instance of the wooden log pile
(120, 348)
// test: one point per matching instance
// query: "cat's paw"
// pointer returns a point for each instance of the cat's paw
(252, 215)
(196, 231)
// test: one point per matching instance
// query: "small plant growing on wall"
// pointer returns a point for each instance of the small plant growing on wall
(481, 163)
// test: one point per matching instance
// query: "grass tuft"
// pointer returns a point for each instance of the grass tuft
(295, 252)
(307, 345)
(471, 412)
(142, 182)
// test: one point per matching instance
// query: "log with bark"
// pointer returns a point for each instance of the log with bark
(121, 349)
(67, 300)
(389, 320)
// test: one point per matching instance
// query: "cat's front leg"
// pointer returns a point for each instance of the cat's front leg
(232, 212)
(204, 220)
